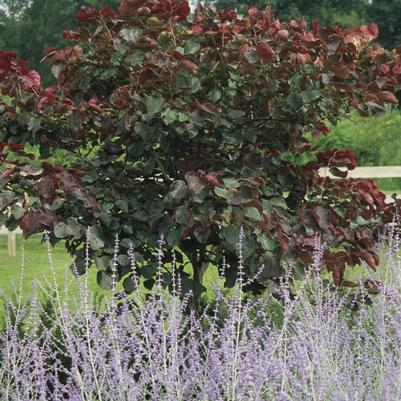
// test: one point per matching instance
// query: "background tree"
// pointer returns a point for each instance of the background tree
(31, 26)
(189, 127)
(388, 16)
(327, 12)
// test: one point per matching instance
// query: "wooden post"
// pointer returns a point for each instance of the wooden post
(11, 244)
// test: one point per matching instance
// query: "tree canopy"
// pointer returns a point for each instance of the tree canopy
(184, 130)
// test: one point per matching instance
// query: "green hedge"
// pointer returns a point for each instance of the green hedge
(376, 141)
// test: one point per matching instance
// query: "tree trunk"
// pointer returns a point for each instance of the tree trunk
(199, 269)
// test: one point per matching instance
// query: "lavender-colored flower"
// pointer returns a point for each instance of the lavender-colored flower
(136, 348)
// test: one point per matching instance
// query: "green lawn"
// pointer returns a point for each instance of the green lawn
(32, 257)
(36, 266)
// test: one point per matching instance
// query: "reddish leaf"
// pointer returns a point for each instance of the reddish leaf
(179, 9)
(282, 34)
(212, 179)
(31, 80)
(340, 70)
(68, 55)
(95, 105)
(129, 7)
(46, 188)
(370, 31)
(208, 107)
(88, 14)
(370, 258)
(144, 11)
(189, 66)
(197, 28)
(30, 224)
(8, 172)
(6, 59)
(71, 35)
(388, 97)
(303, 58)
(191, 164)
(337, 158)
(227, 14)
(335, 263)
(265, 52)
(194, 182)
(47, 218)
(253, 12)
(106, 11)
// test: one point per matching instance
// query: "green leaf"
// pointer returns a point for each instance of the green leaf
(60, 230)
(236, 114)
(231, 183)
(191, 47)
(106, 219)
(96, 239)
(231, 235)
(268, 244)
(202, 234)
(57, 203)
(129, 285)
(278, 202)
(251, 56)
(174, 237)
(122, 204)
(104, 280)
(102, 262)
(237, 197)
(141, 216)
(3, 218)
(125, 242)
(6, 198)
(182, 215)
(310, 95)
(248, 247)
(195, 84)
(169, 116)
(18, 212)
(295, 101)
(136, 57)
(252, 213)
(74, 228)
(215, 95)
(220, 192)
(123, 260)
(127, 229)
(131, 35)
(154, 104)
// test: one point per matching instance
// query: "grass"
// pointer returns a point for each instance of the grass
(33, 255)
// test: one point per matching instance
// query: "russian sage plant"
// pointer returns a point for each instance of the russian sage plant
(326, 346)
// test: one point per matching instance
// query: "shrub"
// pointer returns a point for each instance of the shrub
(190, 126)
(151, 349)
